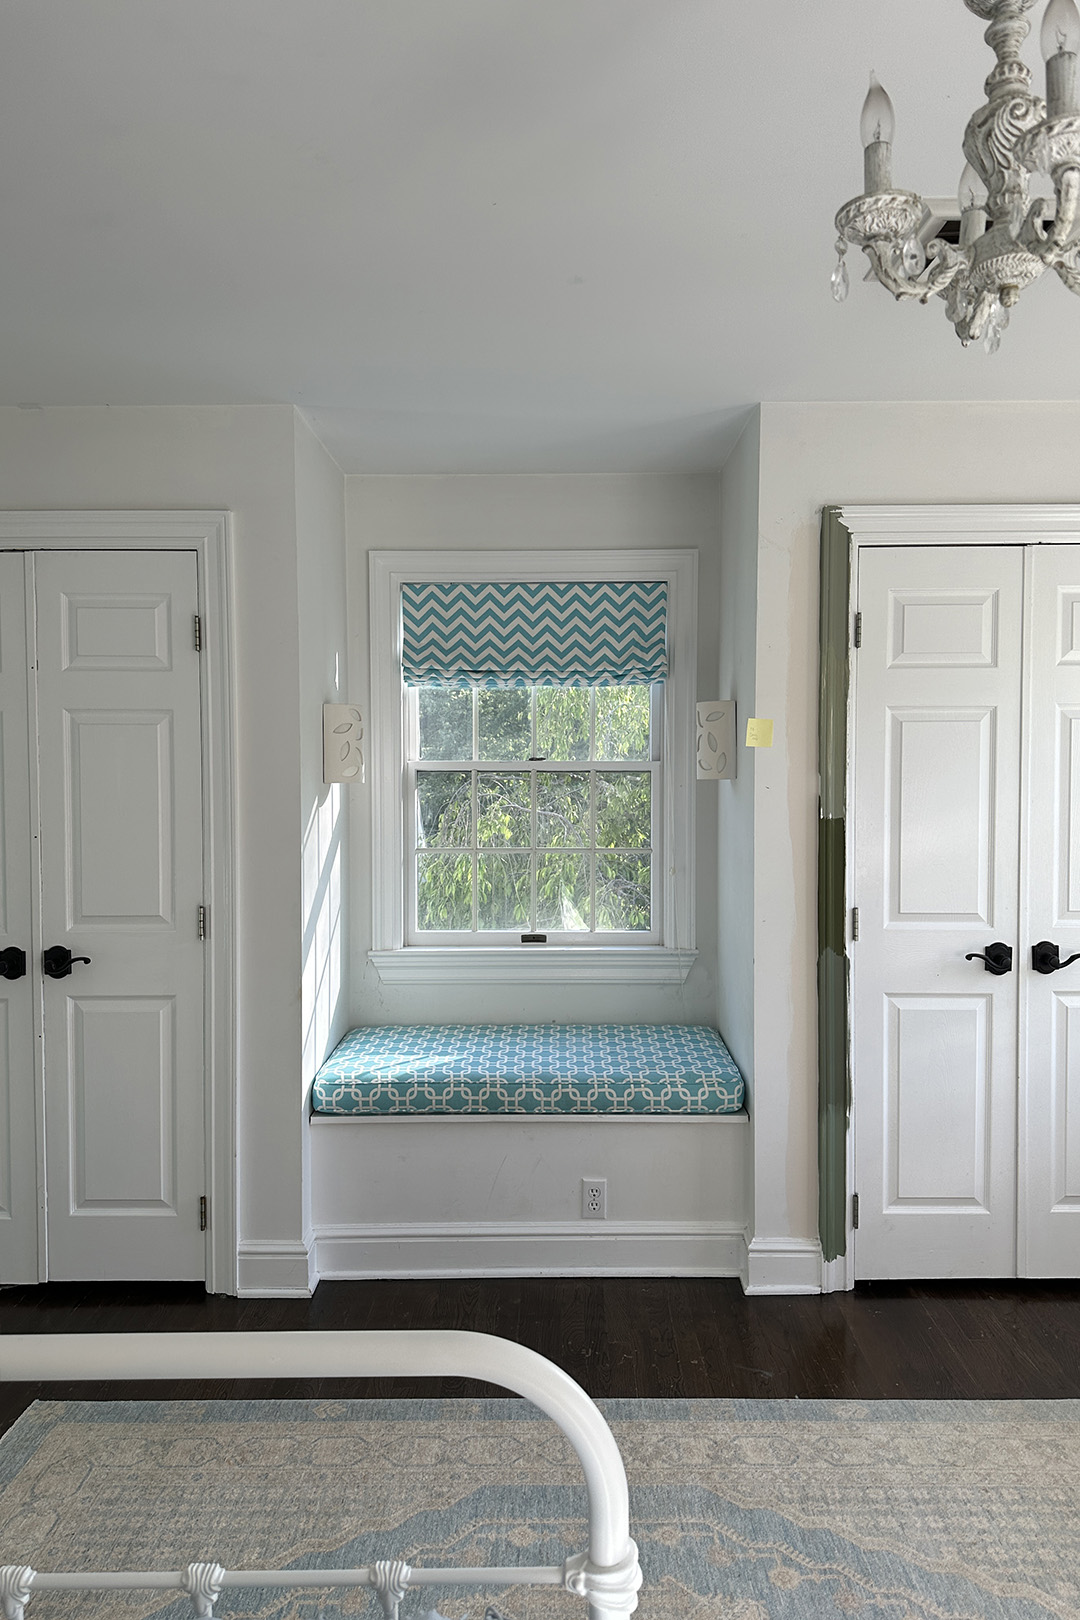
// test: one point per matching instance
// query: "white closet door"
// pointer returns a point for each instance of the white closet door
(937, 742)
(121, 856)
(1050, 1009)
(18, 1083)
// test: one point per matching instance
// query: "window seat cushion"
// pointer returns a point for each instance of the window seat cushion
(529, 1069)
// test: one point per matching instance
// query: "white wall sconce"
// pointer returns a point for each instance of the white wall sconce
(343, 732)
(716, 741)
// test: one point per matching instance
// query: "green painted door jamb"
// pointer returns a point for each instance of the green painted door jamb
(834, 1073)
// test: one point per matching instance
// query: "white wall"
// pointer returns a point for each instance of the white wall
(240, 460)
(323, 653)
(533, 513)
(501, 1195)
(815, 455)
(735, 800)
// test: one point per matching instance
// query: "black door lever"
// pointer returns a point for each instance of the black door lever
(998, 958)
(12, 963)
(57, 961)
(1044, 957)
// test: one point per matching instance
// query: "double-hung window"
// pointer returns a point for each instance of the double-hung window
(533, 810)
(531, 788)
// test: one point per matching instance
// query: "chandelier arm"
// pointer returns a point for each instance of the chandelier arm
(881, 223)
(1069, 274)
(947, 264)
(886, 261)
(1033, 234)
(1067, 188)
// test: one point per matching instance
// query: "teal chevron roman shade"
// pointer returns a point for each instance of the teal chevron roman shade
(555, 633)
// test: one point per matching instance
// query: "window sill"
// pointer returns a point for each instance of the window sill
(534, 964)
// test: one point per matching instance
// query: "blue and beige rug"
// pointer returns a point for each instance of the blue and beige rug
(744, 1510)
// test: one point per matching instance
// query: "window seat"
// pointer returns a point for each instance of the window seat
(531, 1069)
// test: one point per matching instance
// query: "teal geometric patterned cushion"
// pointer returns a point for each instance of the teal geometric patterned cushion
(529, 1069)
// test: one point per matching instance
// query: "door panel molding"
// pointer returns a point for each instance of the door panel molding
(951, 1171)
(208, 535)
(928, 887)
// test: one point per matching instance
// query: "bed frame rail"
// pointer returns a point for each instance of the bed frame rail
(607, 1575)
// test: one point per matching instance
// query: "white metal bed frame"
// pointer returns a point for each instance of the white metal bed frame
(607, 1575)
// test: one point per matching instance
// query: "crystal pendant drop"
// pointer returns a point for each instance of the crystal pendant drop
(914, 257)
(841, 284)
(994, 328)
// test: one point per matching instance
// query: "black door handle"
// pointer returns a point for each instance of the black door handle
(1044, 957)
(12, 963)
(998, 958)
(57, 961)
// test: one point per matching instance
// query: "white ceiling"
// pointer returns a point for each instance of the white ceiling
(480, 235)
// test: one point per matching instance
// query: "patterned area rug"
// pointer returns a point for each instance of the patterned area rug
(744, 1510)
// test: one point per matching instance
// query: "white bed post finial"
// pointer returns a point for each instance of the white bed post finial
(609, 1590)
(16, 1584)
(203, 1584)
(390, 1577)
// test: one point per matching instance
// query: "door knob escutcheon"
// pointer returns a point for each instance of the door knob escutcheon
(57, 961)
(1044, 957)
(997, 960)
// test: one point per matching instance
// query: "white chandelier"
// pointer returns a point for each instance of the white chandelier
(1006, 240)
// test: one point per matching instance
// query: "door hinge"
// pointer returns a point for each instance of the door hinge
(204, 1216)
(854, 922)
(854, 1212)
(197, 629)
(857, 638)
(203, 921)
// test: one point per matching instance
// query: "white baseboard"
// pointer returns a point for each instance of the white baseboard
(837, 1276)
(782, 1266)
(530, 1249)
(268, 1269)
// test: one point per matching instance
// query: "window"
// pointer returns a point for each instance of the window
(538, 782)
(533, 810)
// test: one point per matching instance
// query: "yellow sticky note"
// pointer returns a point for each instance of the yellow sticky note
(759, 733)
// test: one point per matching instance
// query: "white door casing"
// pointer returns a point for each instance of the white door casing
(19, 1148)
(120, 807)
(937, 749)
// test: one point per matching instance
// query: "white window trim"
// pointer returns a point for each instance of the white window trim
(398, 963)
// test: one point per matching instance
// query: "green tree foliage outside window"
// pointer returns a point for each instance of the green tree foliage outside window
(513, 844)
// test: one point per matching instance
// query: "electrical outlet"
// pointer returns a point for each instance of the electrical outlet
(594, 1199)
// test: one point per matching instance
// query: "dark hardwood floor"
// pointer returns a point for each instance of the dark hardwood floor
(625, 1336)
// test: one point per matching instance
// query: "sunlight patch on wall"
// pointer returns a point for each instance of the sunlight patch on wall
(321, 980)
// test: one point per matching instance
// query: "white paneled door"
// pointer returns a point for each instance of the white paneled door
(114, 951)
(967, 847)
(1049, 1183)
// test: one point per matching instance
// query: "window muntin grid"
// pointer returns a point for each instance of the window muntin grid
(571, 849)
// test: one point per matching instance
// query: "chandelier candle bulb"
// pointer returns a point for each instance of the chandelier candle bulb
(877, 128)
(1060, 43)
